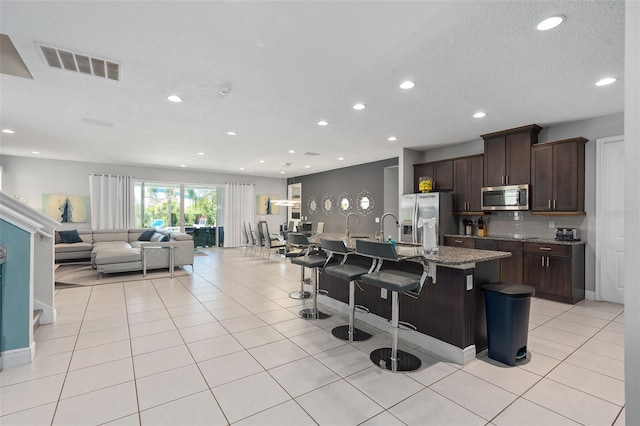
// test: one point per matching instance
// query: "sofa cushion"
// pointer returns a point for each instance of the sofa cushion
(68, 248)
(181, 236)
(118, 256)
(110, 235)
(70, 237)
(146, 235)
(159, 237)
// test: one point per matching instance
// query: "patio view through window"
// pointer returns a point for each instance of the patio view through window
(159, 205)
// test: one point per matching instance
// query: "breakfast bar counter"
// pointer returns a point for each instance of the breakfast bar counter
(449, 315)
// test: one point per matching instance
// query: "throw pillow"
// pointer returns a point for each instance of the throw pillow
(146, 235)
(156, 237)
(70, 237)
(165, 238)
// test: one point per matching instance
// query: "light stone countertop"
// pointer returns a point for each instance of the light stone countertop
(524, 240)
(446, 256)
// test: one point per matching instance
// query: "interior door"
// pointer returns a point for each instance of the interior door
(610, 219)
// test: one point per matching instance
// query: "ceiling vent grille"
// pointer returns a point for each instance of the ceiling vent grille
(313, 154)
(78, 62)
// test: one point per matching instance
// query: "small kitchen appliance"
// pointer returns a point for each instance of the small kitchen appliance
(567, 234)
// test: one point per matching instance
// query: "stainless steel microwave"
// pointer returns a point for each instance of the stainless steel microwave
(511, 197)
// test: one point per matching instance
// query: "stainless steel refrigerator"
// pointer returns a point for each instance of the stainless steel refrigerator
(431, 205)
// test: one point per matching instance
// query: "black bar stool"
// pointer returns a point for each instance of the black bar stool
(297, 250)
(313, 261)
(397, 282)
(349, 273)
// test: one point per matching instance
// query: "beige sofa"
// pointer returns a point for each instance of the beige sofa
(120, 250)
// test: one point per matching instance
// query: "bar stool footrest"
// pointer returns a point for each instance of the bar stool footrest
(342, 333)
(323, 292)
(406, 361)
(403, 325)
(309, 313)
(363, 309)
(300, 295)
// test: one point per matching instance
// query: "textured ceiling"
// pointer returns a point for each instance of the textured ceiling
(289, 65)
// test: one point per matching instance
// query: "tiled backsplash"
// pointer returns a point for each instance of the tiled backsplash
(526, 225)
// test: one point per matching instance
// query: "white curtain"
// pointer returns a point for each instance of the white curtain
(239, 207)
(112, 201)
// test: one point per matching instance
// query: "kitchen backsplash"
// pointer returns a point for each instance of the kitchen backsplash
(526, 225)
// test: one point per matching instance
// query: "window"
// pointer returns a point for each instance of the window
(172, 205)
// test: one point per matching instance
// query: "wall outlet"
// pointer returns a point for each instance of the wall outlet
(469, 282)
(383, 293)
(552, 224)
(377, 220)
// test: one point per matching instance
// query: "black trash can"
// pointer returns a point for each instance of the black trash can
(507, 307)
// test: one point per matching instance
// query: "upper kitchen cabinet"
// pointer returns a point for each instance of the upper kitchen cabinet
(467, 184)
(507, 155)
(440, 171)
(557, 177)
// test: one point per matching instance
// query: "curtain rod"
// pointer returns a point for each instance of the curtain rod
(107, 174)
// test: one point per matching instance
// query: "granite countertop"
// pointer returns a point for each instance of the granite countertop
(526, 240)
(446, 256)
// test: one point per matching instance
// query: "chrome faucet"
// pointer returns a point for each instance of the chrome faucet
(382, 224)
(346, 230)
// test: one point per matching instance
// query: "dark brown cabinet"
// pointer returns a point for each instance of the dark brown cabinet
(467, 184)
(440, 171)
(557, 176)
(556, 271)
(507, 155)
(511, 267)
(460, 242)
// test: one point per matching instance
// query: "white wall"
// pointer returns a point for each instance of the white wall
(29, 178)
(632, 206)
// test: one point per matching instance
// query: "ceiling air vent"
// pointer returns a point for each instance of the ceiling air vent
(78, 62)
(313, 154)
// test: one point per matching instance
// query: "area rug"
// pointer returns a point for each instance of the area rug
(199, 253)
(84, 274)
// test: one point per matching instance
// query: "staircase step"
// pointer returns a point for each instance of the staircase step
(36, 318)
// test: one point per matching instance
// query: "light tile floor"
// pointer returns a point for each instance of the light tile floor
(224, 346)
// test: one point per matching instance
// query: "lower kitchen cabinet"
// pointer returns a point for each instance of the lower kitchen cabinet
(556, 271)
(466, 242)
(511, 267)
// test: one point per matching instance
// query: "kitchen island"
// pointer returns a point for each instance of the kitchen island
(448, 315)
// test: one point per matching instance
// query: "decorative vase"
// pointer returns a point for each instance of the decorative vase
(425, 184)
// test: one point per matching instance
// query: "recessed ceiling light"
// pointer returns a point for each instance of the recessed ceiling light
(606, 81)
(182, 165)
(479, 114)
(231, 133)
(281, 173)
(261, 161)
(359, 107)
(407, 85)
(340, 158)
(323, 123)
(307, 166)
(392, 138)
(174, 98)
(201, 153)
(550, 23)
(35, 152)
(8, 131)
(291, 151)
(241, 168)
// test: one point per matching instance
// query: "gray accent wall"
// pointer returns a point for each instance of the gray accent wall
(353, 180)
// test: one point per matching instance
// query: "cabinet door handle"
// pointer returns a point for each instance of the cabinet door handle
(502, 179)
(545, 248)
(547, 261)
(554, 204)
(457, 241)
(549, 204)
(506, 180)
(542, 258)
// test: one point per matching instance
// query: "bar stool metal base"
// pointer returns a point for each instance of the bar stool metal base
(299, 295)
(342, 333)
(405, 361)
(310, 313)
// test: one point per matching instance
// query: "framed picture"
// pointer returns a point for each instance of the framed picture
(265, 205)
(66, 208)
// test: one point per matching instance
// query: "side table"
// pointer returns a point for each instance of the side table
(144, 257)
